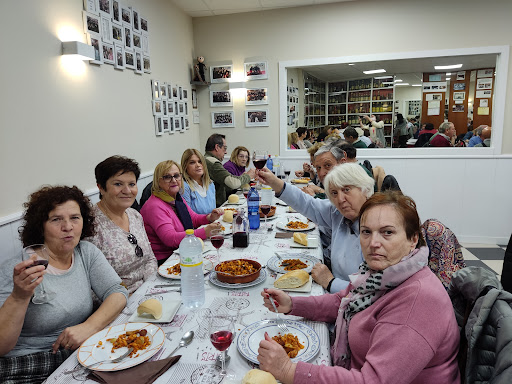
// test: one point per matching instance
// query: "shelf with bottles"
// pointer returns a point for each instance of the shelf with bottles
(359, 85)
(336, 120)
(337, 109)
(338, 86)
(314, 110)
(358, 108)
(359, 96)
(314, 121)
(382, 106)
(339, 98)
(382, 95)
(383, 82)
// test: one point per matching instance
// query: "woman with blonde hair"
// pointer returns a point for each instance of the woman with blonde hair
(238, 161)
(166, 216)
(198, 188)
(293, 140)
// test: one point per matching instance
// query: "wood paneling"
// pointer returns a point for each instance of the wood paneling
(459, 119)
(434, 119)
(482, 119)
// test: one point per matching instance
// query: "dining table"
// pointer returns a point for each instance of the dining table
(241, 304)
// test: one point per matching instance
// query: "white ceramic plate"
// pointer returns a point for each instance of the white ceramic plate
(162, 270)
(169, 309)
(248, 340)
(283, 226)
(312, 243)
(261, 278)
(89, 352)
(275, 264)
(241, 201)
(304, 288)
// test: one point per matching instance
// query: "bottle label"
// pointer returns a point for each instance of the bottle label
(190, 265)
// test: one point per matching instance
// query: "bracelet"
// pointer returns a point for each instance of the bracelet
(328, 288)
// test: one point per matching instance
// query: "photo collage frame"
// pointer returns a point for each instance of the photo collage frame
(170, 107)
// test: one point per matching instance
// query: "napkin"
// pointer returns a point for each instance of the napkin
(284, 235)
(144, 373)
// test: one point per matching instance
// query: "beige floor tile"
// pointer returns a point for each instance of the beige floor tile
(468, 255)
(496, 265)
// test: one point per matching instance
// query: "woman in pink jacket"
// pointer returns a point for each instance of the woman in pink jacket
(394, 323)
(166, 215)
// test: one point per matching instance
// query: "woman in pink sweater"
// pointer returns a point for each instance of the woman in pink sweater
(166, 215)
(394, 322)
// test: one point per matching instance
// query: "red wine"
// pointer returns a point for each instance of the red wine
(44, 263)
(282, 177)
(259, 163)
(240, 240)
(265, 209)
(287, 173)
(221, 340)
(217, 241)
(246, 194)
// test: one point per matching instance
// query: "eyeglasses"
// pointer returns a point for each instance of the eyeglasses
(168, 178)
(138, 250)
(243, 156)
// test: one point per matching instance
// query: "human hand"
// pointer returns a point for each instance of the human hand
(273, 359)
(215, 214)
(308, 190)
(26, 278)
(299, 173)
(72, 337)
(321, 274)
(210, 227)
(252, 173)
(268, 178)
(282, 300)
(307, 167)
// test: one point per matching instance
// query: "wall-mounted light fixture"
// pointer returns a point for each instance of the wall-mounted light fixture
(78, 49)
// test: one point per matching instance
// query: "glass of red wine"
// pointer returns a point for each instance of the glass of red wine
(259, 159)
(217, 239)
(222, 333)
(42, 256)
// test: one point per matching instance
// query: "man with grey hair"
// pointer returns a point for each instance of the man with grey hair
(445, 137)
(477, 139)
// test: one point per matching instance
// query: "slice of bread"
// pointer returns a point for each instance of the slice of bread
(256, 376)
(233, 199)
(293, 279)
(300, 238)
(151, 306)
(228, 216)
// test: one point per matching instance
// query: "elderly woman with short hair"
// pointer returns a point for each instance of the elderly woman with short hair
(347, 187)
(238, 161)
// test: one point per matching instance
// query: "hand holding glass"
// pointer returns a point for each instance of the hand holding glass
(42, 258)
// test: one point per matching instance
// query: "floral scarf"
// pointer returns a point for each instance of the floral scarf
(367, 287)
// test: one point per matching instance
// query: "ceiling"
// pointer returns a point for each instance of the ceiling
(200, 8)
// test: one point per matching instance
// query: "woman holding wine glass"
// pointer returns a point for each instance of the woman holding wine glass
(36, 339)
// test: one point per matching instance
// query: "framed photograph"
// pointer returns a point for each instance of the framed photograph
(175, 92)
(220, 99)
(485, 72)
(169, 91)
(221, 74)
(458, 108)
(159, 126)
(181, 108)
(116, 12)
(145, 44)
(157, 108)
(135, 20)
(224, 119)
(106, 8)
(459, 95)
(108, 53)
(163, 91)
(482, 94)
(92, 23)
(129, 59)
(459, 86)
(155, 89)
(144, 24)
(164, 107)
(119, 55)
(185, 94)
(128, 43)
(95, 41)
(182, 123)
(137, 40)
(165, 125)
(186, 108)
(177, 124)
(485, 83)
(146, 63)
(106, 27)
(92, 6)
(170, 108)
(126, 15)
(256, 96)
(194, 99)
(180, 92)
(187, 123)
(117, 35)
(176, 109)
(256, 70)
(461, 75)
(256, 118)
(171, 125)
(138, 62)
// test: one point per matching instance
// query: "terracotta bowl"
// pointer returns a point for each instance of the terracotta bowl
(270, 214)
(238, 279)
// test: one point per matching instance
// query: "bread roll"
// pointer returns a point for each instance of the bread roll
(228, 216)
(292, 279)
(256, 376)
(151, 306)
(246, 186)
(300, 238)
(233, 199)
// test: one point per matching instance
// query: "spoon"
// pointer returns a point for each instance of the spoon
(186, 339)
(283, 264)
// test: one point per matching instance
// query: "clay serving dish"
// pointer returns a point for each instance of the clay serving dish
(270, 214)
(238, 279)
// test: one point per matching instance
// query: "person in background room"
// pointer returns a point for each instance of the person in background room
(198, 189)
(120, 232)
(445, 137)
(302, 133)
(238, 161)
(326, 131)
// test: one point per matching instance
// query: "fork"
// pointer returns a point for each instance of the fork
(280, 322)
(283, 264)
(116, 360)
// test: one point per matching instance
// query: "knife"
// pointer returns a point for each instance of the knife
(160, 293)
(167, 285)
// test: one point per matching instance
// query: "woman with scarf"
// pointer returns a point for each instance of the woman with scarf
(394, 323)
(166, 215)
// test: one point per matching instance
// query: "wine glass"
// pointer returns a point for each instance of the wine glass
(41, 296)
(266, 203)
(286, 173)
(259, 159)
(217, 239)
(222, 333)
(245, 191)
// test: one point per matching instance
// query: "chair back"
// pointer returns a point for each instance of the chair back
(506, 273)
(146, 194)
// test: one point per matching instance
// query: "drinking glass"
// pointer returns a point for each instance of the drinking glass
(266, 203)
(259, 159)
(286, 173)
(245, 191)
(222, 333)
(41, 296)
(217, 239)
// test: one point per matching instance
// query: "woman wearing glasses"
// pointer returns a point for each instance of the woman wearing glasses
(198, 188)
(120, 232)
(166, 216)
(238, 161)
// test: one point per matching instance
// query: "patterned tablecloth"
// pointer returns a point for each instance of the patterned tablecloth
(243, 306)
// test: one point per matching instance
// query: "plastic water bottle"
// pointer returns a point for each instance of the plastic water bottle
(276, 164)
(192, 277)
(253, 206)
(270, 164)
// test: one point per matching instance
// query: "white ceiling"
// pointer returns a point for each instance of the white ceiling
(200, 8)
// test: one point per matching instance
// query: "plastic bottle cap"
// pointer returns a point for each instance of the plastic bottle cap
(189, 231)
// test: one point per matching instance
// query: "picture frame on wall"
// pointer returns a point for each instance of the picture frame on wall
(164, 107)
(92, 23)
(95, 41)
(106, 28)
(223, 119)
(159, 128)
(157, 108)
(108, 53)
(484, 83)
(169, 91)
(185, 94)
(187, 123)
(126, 15)
(181, 108)
(145, 44)
(257, 70)
(135, 20)
(175, 92)
(137, 43)
(144, 25)
(170, 108)
(186, 108)
(129, 59)
(165, 125)
(147, 64)
(221, 99)
(194, 98)
(119, 57)
(163, 91)
(221, 73)
(180, 92)
(138, 62)
(459, 95)
(256, 96)
(105, 8)
(171, 125)
(182, 123)
(489, 72)
(177, 124)
(116, 12)
(155, 90)
(92, 6)
(256, 118)
(176, 109)
(117, 35)
(128, 38)
(459, 86)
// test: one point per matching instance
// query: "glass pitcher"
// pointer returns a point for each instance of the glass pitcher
(240, 230)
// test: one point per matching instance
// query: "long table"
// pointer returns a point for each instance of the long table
(243, 306)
